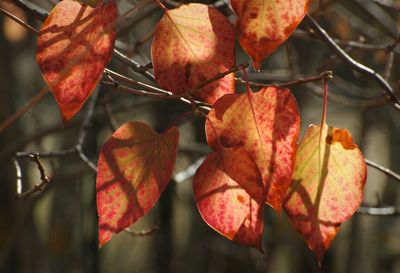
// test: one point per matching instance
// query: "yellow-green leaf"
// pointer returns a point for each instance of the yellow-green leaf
(327, 188)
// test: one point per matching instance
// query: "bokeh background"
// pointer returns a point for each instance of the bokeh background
(56, 230)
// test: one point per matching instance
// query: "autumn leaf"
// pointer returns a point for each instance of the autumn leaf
(263, 25)
(266, 124)
(194, 43)
(224, 187)
(134, 167)
(328, 182)
(75, 44)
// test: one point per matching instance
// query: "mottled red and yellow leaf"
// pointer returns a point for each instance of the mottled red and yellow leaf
(266, 124)
(194, 43)
(327, 188)
(74, 45)
(223, 188)
(134, 167)
(263, 25)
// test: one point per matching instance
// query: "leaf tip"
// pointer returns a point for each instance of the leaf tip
(260, 247)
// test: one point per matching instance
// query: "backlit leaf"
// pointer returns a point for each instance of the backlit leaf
(134, 167)
(266, 124)
(74, 45)
(221, 187)
(263, 25)
(327, 188)
(192, 44)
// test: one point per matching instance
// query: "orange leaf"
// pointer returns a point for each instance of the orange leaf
(266, 124)
(263, 25)
(221, 187)
(134, 167)
(194, 43)
(328, 182)
(75, 44)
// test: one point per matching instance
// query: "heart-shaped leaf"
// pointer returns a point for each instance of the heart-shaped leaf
(134, 167)
(327, 188)
(194, 43)
(223, 188)
(74, 45)
(266, 124)
(263, 25)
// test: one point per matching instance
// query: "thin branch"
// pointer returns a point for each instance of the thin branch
(385, 170)
(85, 159)
(76, 150)
(19, 176)
(300, 81)
(83, 130)
(141, 69)
(38, 187)
(356, 66)
(145, 232)
(299, 33)
(379, 211)
(189, 172)
(219, 76)
(47, 154)
(150, 91)
(19, 21)
(88, 117)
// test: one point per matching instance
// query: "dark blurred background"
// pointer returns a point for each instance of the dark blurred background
(56, 230)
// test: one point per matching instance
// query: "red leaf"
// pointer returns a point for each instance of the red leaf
(135, 165)
(74, 45)
(263, 25)
(327, 188)
(266, 124)
(221, 186)
(192, 44)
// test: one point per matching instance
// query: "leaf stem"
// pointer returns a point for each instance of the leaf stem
(246, 78)
(325, 105)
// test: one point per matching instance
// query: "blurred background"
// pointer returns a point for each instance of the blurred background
(56, 230)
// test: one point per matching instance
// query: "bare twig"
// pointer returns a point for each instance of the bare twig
(47, 154)
(19, 21)
(299, 33)
(38, 187)
(145, 232)
(300, 81)
(76, 150)
(379, 211)
(219, 76)
(356, 66)
(385, 170)
(143, 70)
(83, 130)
